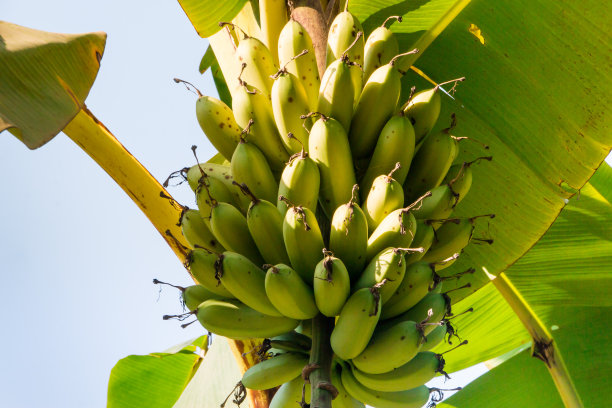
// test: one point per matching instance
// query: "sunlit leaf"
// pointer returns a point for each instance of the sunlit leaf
(205, 15)
(155, 380)
(45, 79)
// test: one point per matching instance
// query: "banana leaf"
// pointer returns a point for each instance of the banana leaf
(45, 79)
(155, 380)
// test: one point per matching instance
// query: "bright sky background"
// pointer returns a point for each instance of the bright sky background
(77, 257)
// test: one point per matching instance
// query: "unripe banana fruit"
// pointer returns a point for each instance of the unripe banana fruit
(289, 103)
(292, 40)
(332, 285)
(344, 38)
(419, 370)
(390, 348)
(290, 394)
(423, 110)
(413, 398)
(303, 241)
(386, 268)
(232, 230)
(418, 281)
(274, 371)
(396, 230)
(235, 320)
(385, 195)
(202, 266)
(299, 183)
(246, 281)
(356, 323)
(379, 48)
(218, 124)
(394, 145)
(348, 238)
(197, 233)
(329, 148)
(289, 293)
(249, 166)
(259, 64)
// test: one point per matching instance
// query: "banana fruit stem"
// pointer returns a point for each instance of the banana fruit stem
(321, 358)
(544, 347)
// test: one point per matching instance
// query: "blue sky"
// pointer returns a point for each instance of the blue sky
(77, 256)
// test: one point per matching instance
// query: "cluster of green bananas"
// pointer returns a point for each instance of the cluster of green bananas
(334, 199)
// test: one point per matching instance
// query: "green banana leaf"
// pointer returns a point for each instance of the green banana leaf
(205, 15)
(209, 60)
(566, 278)
(45, 79)
(523, 381)
(155, 380)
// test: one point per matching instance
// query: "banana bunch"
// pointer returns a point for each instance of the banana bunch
(287, 228)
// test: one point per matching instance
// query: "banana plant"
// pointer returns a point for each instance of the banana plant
(520, 289)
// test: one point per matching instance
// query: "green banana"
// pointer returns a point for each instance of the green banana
(218, 124)
(292, 341)
(423, 110)
(249, 166)
(221, 172)
(377, 103)
(418, 281)
(439, 205)
(396, 230)
(332, 285)
(419, 370)
(299, 183)
(356, 323)
(194, 295)
(459, 179)
(201, 265)
(259, 64)
(246, 281)
(292, 40)
(390, 348)
(235, 320)
(329, 148)
(290, 394)
(305, 328)
(423, 238)
(250, 104)
(303, 241)
(336, 93)
(394, 145)
(385, 196)
(289, 293)
(348, 238)
(289, 103)
(454, 235)
(446, 196)
(437, 303)
(274, 371)
(343, 33)
(232, 230)
(196, 232)
(266, 227)
(379, 48)
(208, 193)
(343, 399)
(387, 265)
(435, 337)
(413, 398)
(430, 164)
